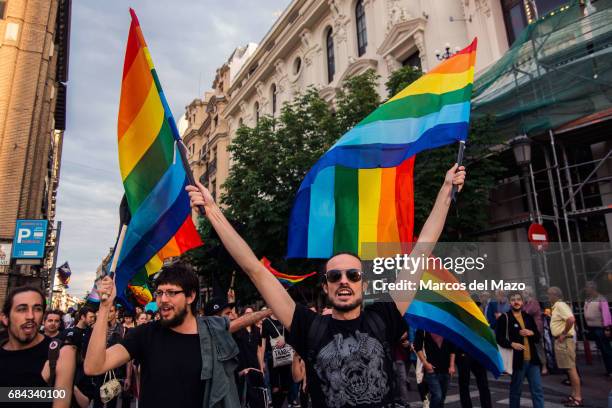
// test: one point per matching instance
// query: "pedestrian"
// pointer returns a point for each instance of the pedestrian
(251, 384)
(599, 323)
(518, 331)
(278, 357)
(438, 358)
(184, 361)
(466, 364)
(141, 318)
(24, 355)
(53, 323)
(348, 354)
(562, 322)
(401, 365)
(532, 308)
(85, 388)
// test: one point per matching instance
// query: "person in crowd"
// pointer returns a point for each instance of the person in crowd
(488, 307)
(414, 361)
(138, 310)
(401, 365)
(298, 374)
(279, 373)
(218, 306)
(250, 365)
(438, 358)
(329, 344)
(184, 361)
(141, 318)
(24, 355)
(84, 388)
(53, 323)
(466, 364)
(128, 321)
(518, 331)
(532, 308)
(562, 322)
(599, 323)
(68, 319)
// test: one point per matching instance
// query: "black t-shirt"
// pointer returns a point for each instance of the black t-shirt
(438, 356)
(351, 367)
(170, 366)
(271, 329)
(23, 368)
(248, 343)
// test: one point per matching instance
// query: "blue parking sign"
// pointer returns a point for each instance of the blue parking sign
(30, 238)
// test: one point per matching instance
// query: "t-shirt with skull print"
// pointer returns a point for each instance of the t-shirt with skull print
(351, 367)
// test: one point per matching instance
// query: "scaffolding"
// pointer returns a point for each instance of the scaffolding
(555, 86)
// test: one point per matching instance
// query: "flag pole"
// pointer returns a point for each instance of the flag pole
(116, 255)
(459, 162)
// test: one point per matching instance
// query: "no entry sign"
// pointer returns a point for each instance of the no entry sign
(538, 236)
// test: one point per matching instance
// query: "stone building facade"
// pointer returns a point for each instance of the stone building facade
(34, 49)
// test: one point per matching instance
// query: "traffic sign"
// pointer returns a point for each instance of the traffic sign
(538, 236)
(30, 238)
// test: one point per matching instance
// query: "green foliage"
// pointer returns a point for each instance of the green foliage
(401, 78)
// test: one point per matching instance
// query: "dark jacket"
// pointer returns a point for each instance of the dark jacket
(514, 336)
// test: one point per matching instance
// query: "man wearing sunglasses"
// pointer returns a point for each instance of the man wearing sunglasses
(346, 354)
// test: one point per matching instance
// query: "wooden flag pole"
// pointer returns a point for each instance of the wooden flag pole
(116, 255)
(459, 162)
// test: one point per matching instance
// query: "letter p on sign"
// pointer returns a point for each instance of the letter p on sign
(23, 234)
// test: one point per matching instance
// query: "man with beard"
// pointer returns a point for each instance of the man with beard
(24, 357)
(347, 353)
(52, 323)
(171, 351)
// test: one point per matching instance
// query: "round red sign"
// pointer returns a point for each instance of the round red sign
(538, 236)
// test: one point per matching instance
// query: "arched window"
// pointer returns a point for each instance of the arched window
(256, 112)
(273, 89)
(240, 123)
(362, 34)
(331, 63)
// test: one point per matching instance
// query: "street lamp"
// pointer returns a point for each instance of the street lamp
(521, 147)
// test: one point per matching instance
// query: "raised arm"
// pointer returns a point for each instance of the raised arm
(430, 233)
(248, 320)
(98, 358)
(268, 286)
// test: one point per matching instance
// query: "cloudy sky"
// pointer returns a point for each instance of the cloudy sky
(188, 41)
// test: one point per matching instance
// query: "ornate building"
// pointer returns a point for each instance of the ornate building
(34, 48)
(321, 43)
(204, 129)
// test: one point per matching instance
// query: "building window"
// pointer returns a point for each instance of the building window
(2, 9)
(331, 63)
(297, 65)
(273, 100)
(256, 112)
(240, 123)
(216, 120)
(414, 61)
(519, 13)
(362, 34)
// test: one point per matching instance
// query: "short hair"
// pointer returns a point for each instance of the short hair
(83, 312)
(8, 302)
(55, 312)
(354, 255)
(591, 284)
(515, 293)
(557, 291)
(181, 275)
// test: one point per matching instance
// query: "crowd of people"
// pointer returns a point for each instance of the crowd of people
(286, 353)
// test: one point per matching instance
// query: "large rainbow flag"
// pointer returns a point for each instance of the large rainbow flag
(285, 279)
(152, 169)
(360, 191)
(453, 315)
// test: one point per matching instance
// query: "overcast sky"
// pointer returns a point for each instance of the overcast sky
(188, 41)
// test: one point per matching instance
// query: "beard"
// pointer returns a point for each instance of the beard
(177, 320)
(344, 307)
(23, 339)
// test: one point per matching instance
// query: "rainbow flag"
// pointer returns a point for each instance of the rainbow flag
(93, 295)
(286, 280)
(152, 170)
(360, 191)
(453, 315)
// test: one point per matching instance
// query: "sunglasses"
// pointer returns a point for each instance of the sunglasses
(334, 275)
